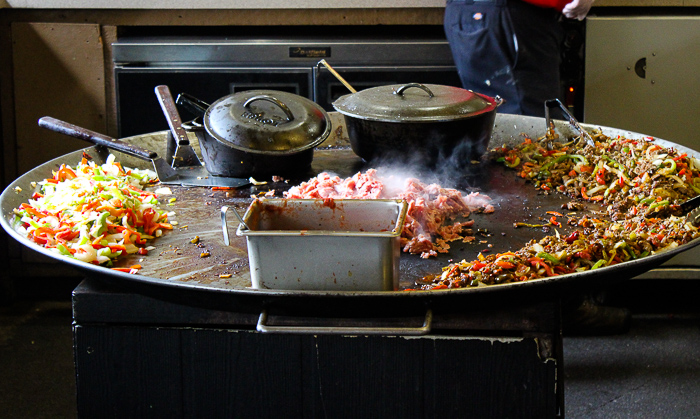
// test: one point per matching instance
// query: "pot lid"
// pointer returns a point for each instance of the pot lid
(415, 102)
(267, 122)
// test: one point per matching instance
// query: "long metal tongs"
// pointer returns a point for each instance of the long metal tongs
(692, 208)
(556, 103)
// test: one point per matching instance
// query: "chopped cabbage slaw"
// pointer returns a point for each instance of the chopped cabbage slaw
(94, 213)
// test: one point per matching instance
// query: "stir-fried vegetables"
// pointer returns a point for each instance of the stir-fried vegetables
(93, 213)
(631, 175)
(640, 183)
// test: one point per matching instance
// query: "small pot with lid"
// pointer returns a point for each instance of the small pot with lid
(424, 124)
(257, 132)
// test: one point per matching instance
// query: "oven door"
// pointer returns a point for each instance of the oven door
(138, 111)
(327, 88)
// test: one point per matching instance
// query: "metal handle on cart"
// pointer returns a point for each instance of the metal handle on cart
(335, 330)
(224, 224)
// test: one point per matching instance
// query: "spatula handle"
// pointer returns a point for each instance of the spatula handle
(167, 103)
(75, 131)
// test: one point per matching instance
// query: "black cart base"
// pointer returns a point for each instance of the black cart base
(137, 356)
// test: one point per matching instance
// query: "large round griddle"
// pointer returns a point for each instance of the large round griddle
(181, 270)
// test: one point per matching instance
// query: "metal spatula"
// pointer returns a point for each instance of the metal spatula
(186, 176)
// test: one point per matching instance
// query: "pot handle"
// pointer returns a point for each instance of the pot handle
(403, 88)
(192, 104)
(193, 125)
(342, 330)
(271, 99)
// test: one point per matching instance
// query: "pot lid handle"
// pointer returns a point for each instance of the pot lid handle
(271, 99)
(401, 89)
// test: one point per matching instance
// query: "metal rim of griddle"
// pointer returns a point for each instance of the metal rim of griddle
(609, 273)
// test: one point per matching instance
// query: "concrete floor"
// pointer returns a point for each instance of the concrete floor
(653, 371)
(37, 377)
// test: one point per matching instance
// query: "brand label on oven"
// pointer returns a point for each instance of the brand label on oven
(310, 52)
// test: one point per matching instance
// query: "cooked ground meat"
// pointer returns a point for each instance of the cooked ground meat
(432, 212)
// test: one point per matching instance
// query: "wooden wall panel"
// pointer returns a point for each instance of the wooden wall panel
(58, 71)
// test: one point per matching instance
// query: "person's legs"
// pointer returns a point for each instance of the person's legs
(507, 48)
(539, 36)
(483, 48)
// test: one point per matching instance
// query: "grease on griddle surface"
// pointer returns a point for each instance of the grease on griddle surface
(195, 252)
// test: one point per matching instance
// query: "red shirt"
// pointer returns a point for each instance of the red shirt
(555, 4)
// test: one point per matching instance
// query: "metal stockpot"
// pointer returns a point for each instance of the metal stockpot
(417, 123)
(257, 132)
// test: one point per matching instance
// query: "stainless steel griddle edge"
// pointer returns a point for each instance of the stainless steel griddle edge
(205, 288)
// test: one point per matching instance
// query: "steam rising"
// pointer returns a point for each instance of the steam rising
(456, 170)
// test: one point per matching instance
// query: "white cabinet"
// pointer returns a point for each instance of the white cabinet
(643, 74)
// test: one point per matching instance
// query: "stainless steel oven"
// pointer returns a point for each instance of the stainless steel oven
(210, 67)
